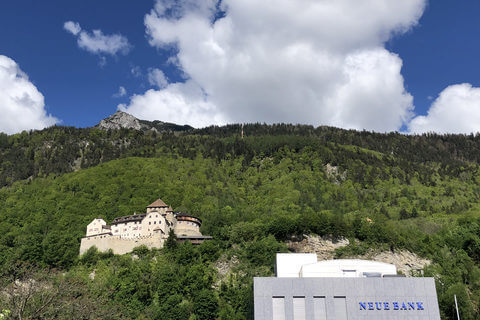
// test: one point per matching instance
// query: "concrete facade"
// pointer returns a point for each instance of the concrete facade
(150, 229)
(345, 298)
(344, 289)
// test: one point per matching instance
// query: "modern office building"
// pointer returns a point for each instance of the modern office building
(305, 289)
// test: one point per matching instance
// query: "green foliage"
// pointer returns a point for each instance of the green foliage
(384, 191)
(171, 242)
(205, 305)
(262, 251)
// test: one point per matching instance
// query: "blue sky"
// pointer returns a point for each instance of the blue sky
(442, 50)
(266, 62)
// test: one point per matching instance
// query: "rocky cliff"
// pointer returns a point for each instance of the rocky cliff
(120, 120)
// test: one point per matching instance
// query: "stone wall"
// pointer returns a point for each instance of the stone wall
(120, 245)
(186, 228)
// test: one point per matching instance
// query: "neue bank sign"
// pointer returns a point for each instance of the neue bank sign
(394, 305)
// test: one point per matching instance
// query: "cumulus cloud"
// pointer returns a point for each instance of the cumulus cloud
(310, 61)
(72, 27)
(96, 42)
(182, 103)
(22, 106)
(456, 110)
(121, 92)
(156, 77)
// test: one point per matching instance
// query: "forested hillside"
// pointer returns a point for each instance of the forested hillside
(384, 191)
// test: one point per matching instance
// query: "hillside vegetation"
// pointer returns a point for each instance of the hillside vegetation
(386, 191)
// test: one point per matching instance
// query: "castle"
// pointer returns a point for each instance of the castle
(150, 229)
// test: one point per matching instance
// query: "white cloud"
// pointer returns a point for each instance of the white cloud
(72, 27)
(156, 77)
(22, 106)
(309, 61)
(182, 103)
(456, 110)
(121, 92)
(96, 42)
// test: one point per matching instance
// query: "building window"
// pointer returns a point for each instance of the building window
(319, 309)
(278, 308)
(340, 308)
(150, 223)
(299, 308)
(154, 222)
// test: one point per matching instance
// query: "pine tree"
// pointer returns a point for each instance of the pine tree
(171, 242)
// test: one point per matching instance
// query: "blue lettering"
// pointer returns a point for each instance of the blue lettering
(395, 305)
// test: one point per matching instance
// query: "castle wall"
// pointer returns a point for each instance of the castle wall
(120, 245)
(186, 228)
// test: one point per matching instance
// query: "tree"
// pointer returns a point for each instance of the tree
(205, 305)
(171, 242)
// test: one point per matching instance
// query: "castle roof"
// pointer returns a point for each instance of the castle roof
(169, 209)
(158, 204)
(180, 216)
(134, 217)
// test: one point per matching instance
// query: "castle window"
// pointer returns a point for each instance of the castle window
(149, 223)
(154, 222)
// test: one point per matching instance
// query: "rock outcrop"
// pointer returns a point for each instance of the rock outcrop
(323, 247)
(121, 119)
(406, 262)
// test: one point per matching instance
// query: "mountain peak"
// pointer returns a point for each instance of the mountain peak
(121, 119)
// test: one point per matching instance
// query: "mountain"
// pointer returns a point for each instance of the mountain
(123, 120)
(254, 193)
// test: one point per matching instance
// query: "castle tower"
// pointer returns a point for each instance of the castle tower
(170, 217)
(159, 206)
(187, 225)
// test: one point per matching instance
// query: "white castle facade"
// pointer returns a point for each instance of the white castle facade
(150, 229)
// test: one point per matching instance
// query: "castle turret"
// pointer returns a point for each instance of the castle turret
(187, 225)
(158, 205)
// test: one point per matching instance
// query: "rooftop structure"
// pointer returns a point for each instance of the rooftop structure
(305, 265)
